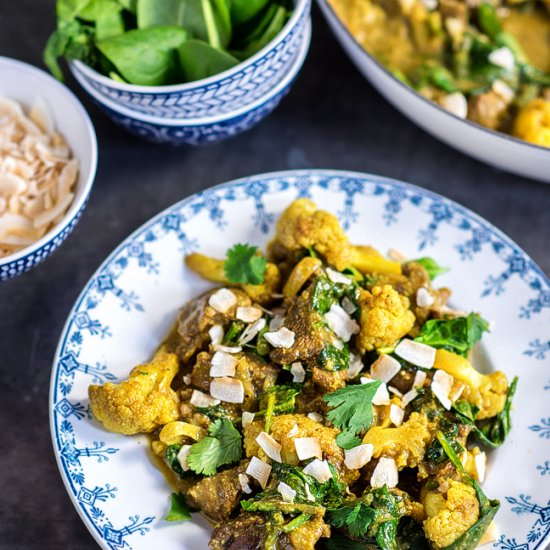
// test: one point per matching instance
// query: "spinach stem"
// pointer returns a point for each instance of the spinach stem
(210, 21)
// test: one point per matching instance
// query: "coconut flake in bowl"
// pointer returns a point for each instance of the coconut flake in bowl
(38, 175)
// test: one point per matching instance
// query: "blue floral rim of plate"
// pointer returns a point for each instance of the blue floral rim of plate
(479, 237)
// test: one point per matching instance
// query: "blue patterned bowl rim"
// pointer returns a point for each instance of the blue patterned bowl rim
(79, 201)
(189, 122)
(300, 10)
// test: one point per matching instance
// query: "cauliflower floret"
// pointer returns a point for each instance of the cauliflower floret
(487, 391)
(533, 122)
(385, 318)
(405, 444)
(303, 226)
(450, 515)
(143, 402)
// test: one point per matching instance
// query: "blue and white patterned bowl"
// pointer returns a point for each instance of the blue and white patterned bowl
(202, 131)
(128, 306)
(24, 83)
(217, 95)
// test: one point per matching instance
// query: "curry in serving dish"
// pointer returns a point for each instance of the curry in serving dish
(485, 61)
(322, 396)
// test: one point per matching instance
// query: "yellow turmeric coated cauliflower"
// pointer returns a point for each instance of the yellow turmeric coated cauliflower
(143, 402)
(302, 226)
(385, 318)
(487, 391)
(449, 515)
(405, 444)
(533, 122)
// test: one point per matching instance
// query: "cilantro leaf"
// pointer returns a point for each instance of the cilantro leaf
(457, 335)
(243, 265)
(179, 509)
(351, 410)
(356, 518)
(432, 267)
(222, 446)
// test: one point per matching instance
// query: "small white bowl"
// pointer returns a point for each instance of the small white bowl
(25, 83)
(217, 95)
(201, 131)
(501, 150)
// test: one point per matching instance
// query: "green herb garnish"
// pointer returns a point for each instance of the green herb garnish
(243, 265)
(432, 267)
(179, 509)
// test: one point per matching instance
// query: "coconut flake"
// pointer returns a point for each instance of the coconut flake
(420, 355)
(385, 368)
(419, 379)
(357, 457)
(251, 331)
(355, 365)
(396, 415)
(182, 457)
(227, 389)
(222, 364)
(319, 470)
(382, 396)
(298, 372)
(503, 90)
(202, 400)
(395, 391)
(269, 446)
(480, 462)
(349, 307)
(216, 334)
(385, 473)
(282, 338)
(337, 277)
(228, 349)
(308, 447)
(442, 383)
(341, 323)
(309, 496)
(222, 300)
(248, 314)
(316, 417)
(502, 57)
(396, 255)
(245, 487)
(456, 104)
(293, 432)
(259, 470)
(247, 418)
(277, 322)
(424, 298)
(408, 397)
(490, 536)
(286, 491)
(456, 392)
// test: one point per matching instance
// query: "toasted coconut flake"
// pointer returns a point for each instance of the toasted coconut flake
(395, 391)
(282, 338)
(480, 462)
(456, 391)
(408, 397)
(248, 314)
(222, 364)
(182, 457)
(216, 334)
(259, 470)
(277, 322)
(420, 355)
(456, 104)
(251, 331)
(316, 417)
(319, 470)
(385, 368)
(419, 379)
(341, 323)
(245, 487)
(269, 446)
(502, 57)
(385, 473)
(298, 372)
(355, 365)
(222, 300)
(308, 447)
(337, 277)
(293, 432)
(396, 415)
(228, 349)
(423, 298)
(227, 389)
(247, 418)
(202, 400)
(382, 396)
(349, 307)
(357, 457)
(442, 383)
(286, 491)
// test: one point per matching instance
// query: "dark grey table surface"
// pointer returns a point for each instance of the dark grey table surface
(331, 119)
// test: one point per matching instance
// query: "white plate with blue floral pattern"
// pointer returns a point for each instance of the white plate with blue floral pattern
(131, 301)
